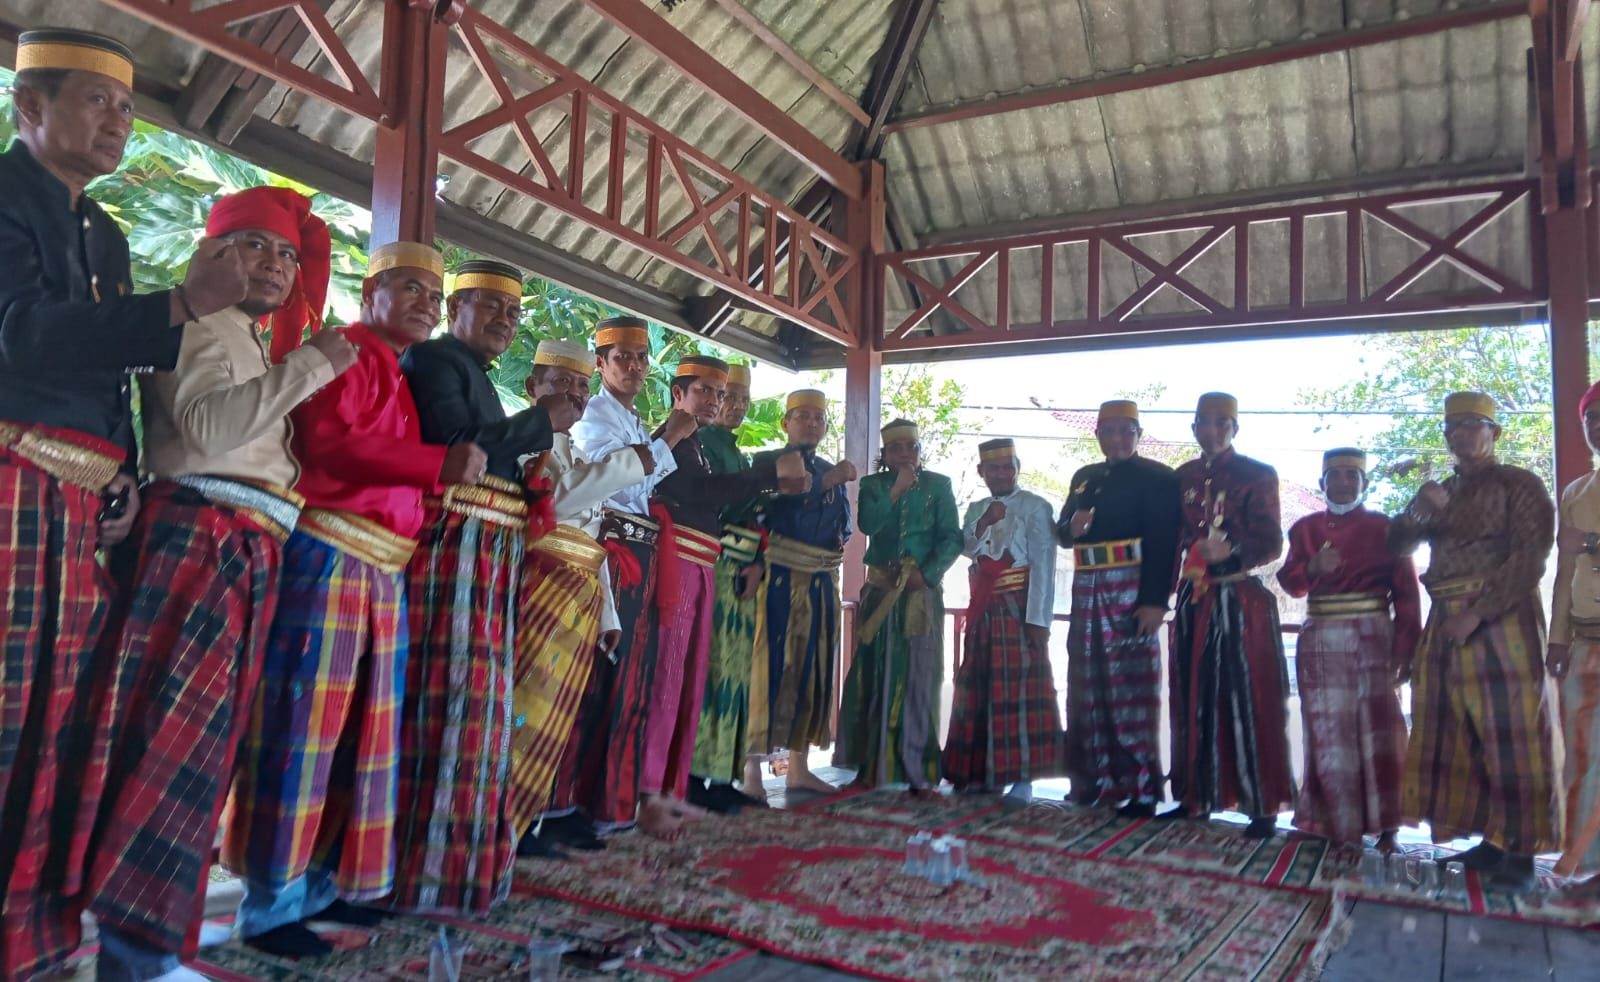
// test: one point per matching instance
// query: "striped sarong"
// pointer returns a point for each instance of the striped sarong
(453, 848)
(56, 600)
(1480, 758)
(1113, 691)
(738, 631)
(1005, 724)
(1230, 692)
(314, 789)
(1355, 735)
(1580, 727)
(187, 645)
(600, 768)
(683, 647)
(558, 622)
(802, 646)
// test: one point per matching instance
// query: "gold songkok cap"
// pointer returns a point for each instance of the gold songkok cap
(488, 274)
(1217, 404)
(806, 399)
(621, 330)
(1119, 409)
(570, 355)
(899, 431)
(702, 366)
(1345, 457)
(1469, 403)
(995, 449)
(739, 375)
(78, 51)
(406, 255)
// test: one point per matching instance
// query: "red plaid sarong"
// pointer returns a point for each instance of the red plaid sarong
(453, 850)
(187, 648)
(1005, 724)
(55, 608)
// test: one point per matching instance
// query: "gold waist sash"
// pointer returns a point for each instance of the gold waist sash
(571, 545)
(1333, 606)
(488, 500)
(1015, 578)
(61, 458)
(1463, 586)
(695, 546)
(360, 537)
(1107, 555)
(740, 544)
(802, 558)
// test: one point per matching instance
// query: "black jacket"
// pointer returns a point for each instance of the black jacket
(456, 403)
(71, 329)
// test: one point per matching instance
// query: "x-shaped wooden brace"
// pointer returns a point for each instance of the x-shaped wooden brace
(934, 297)
(828, 281)
(511, 109)
(224, 15)
(1447, 248)
(1167, 274)
(701, 214)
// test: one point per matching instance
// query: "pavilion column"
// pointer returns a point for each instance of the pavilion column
(406, 166)
(863, 228)
(1566, 234)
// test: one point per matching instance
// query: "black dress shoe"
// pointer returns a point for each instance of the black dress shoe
(535, 846)
(293, 940)
(722, 799)
(340, 912)
(571, 832)
(1483, 857)
(1261, 828)
(1137, 809)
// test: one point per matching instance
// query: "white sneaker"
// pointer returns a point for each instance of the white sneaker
(213, 934)
(1021, 792)
(181, 974)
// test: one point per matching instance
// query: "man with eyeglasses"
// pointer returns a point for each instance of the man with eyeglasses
(1480, 754)
(453, 847)
(1121, 522)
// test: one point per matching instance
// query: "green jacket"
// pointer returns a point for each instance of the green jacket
(721, 448)
(923, 525)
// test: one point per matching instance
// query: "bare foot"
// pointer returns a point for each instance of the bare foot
(1583, 889)
(662, 818)
(1386, 843)
(753, 785)
(805, 780)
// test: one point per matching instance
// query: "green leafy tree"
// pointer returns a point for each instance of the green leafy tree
(1410, 377)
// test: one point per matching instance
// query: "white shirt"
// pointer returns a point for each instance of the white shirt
(608, 425)
(1028, 533)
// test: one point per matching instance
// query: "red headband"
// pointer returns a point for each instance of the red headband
(286, 213)
(1589, 398)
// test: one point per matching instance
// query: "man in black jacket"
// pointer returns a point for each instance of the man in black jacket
(71, 331)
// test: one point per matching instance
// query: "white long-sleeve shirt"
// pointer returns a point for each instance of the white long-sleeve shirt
(608, 425)
(1028, 533)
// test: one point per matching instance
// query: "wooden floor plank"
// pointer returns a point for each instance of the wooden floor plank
(1389, 942)
(1574, 954)
(1486, 948)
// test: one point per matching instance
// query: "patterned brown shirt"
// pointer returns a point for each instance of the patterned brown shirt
(1499, 524)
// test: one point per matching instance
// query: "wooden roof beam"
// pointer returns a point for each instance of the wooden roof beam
(891, 70)
(755, 25)
(1211, 67)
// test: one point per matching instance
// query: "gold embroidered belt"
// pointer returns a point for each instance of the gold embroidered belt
(1462, 586)
(571, 545)
(628, 527)
(74, 458)
(740, 544)
(802, 558)
(493, 499)
(360, 537)
(1015, 578)
(276, 509)
(1107, 555)
(695, 546)
(1334, 606)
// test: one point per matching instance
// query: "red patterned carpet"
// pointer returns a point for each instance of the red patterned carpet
(800, 885)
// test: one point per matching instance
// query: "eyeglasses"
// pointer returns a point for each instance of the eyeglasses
(1465, 423)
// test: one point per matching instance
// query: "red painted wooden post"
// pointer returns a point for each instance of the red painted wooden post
(406, 168)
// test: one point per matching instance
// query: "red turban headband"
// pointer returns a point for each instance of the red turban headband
(1589, 398)
(287, 213)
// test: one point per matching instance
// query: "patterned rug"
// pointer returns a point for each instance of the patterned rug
(1203, 848)
(833, 892)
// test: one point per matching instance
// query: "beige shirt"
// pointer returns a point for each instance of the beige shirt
(580, 489)
(1577, 587)
(224, 409)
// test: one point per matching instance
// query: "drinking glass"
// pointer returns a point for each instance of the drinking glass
(544, 959)
(1455, 881)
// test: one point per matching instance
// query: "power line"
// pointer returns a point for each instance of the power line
(1252, 412)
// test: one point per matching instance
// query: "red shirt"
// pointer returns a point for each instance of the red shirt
(1365, 566)
(359, 443)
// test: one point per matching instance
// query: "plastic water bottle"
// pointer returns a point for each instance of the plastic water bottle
(939, 872)
(917, 853)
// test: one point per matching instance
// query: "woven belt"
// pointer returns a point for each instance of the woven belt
(882, 577)
(276, 509)
(1462, 586)
(801, 557)
(485, 501)
(1333, 606)
(1584, 629)
(571, 545)
(1015, 578)
(740, 544)
(695, 546)
(61, 457)
(628, 527)
(1107, 555)
(360, 537)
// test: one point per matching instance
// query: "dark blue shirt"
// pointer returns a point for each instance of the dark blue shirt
(817, 518)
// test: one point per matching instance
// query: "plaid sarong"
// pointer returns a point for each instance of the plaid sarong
(1580, 726)
(738, 630)
(315, 782)
(1005, 725)
(1355, 735)
(1230, 692)
(187, 649)
(453, 850)
(1113, 692)
(683, 647)
(1480, 756)
(56, 600)
(558, 623)
(600, 767)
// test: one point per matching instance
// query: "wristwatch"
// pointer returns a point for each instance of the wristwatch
(1591, 542)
